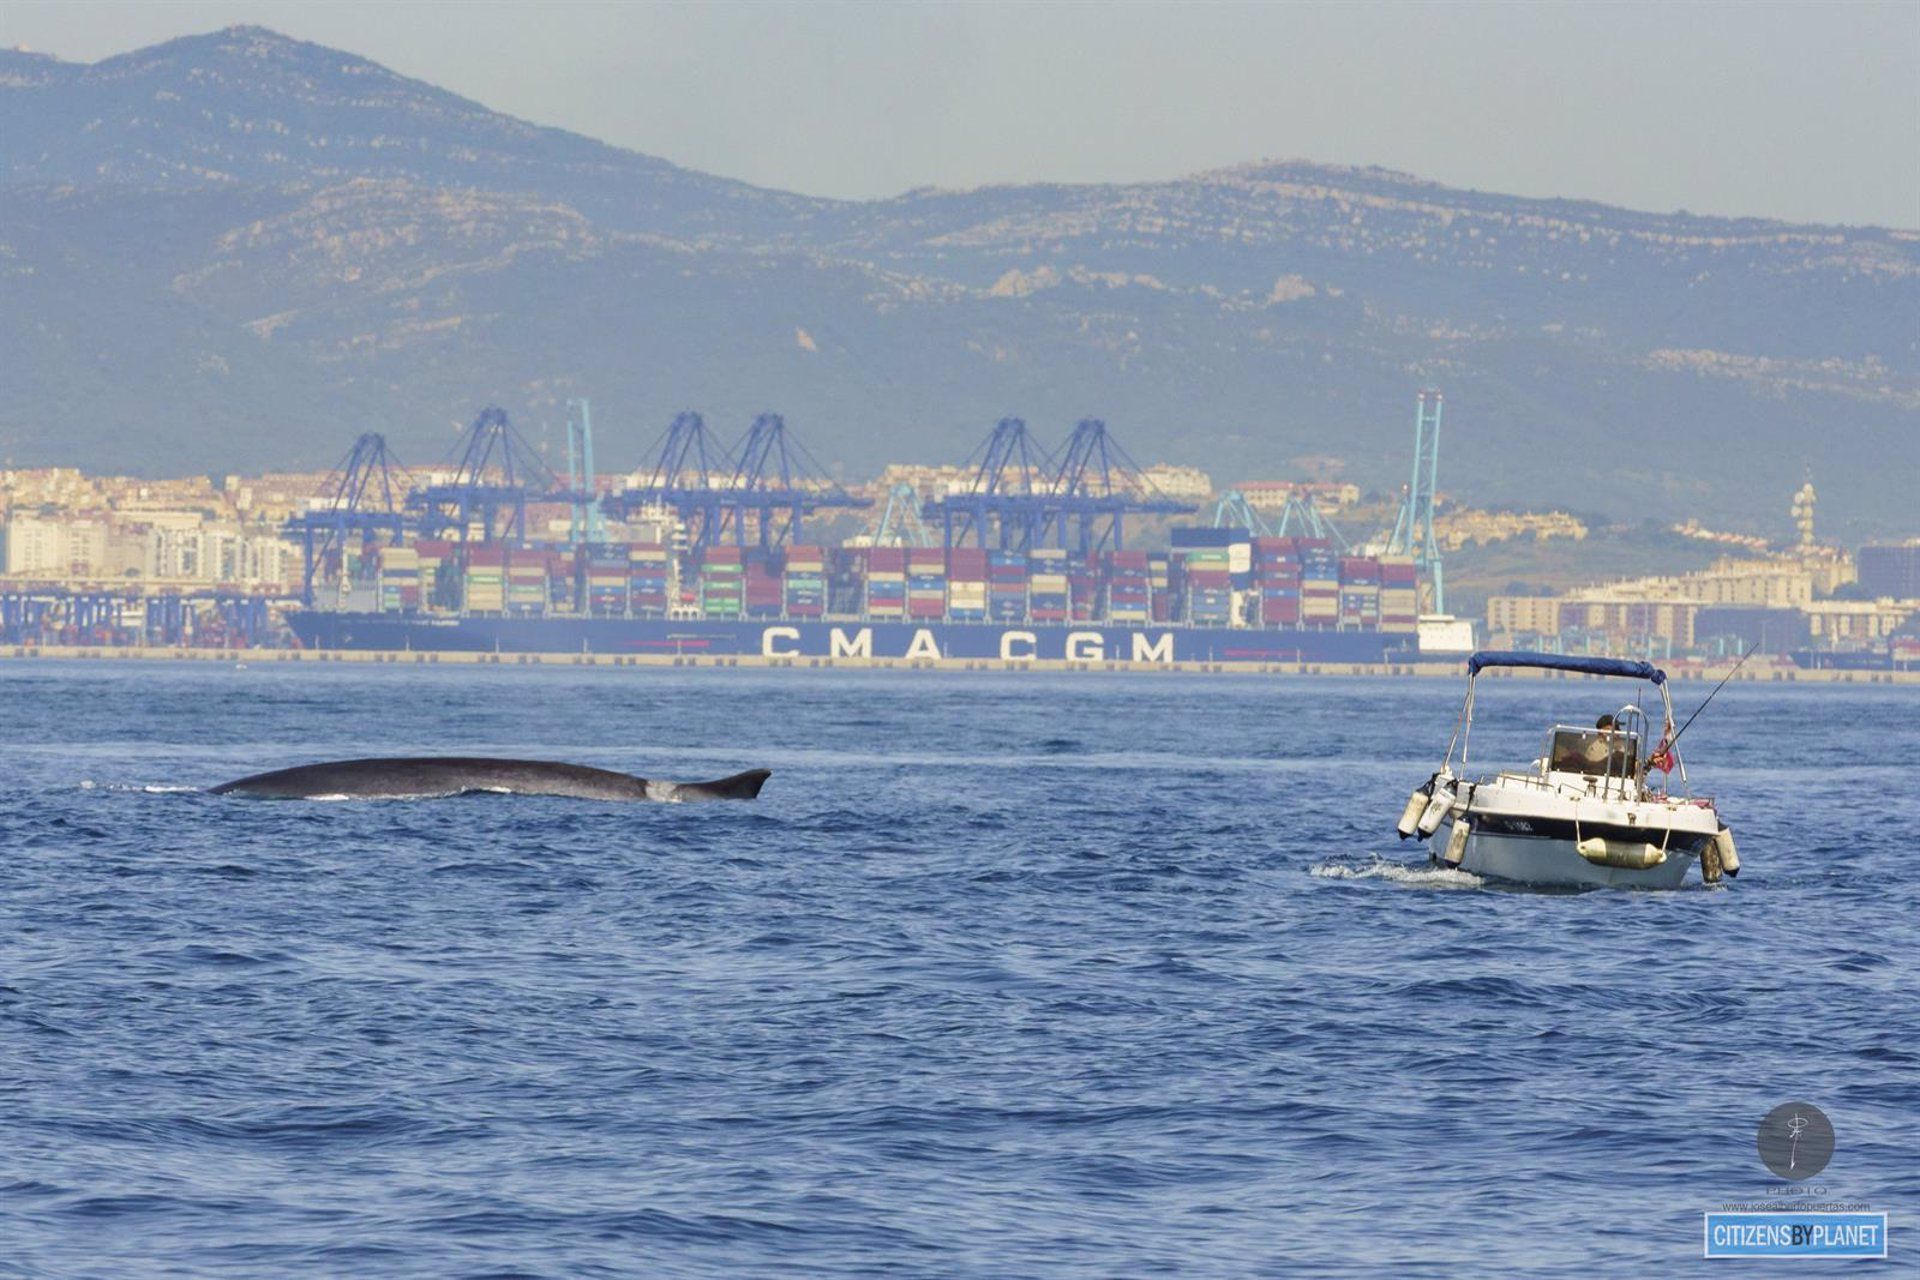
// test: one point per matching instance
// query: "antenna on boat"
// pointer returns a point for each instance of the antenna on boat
(1710, 697)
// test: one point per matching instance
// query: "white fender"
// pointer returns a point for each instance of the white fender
(1410, 816)
(1436, 812)
(1456, 843)
(1723, 845)
(1631, 855)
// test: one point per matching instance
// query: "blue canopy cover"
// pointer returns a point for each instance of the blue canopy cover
(1567, 662)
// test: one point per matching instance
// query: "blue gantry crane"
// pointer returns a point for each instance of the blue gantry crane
(778, 482)
(497, 475)
(361, 497)
(689, 475)
(1002, 495)
(1082, 498)
(1094, 489)
(764, 487)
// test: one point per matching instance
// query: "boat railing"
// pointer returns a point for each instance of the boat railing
(1561, 784)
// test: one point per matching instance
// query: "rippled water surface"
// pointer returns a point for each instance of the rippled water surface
(1001, 976)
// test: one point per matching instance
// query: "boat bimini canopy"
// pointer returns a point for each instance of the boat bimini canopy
(1463, 729)
(1566, 662)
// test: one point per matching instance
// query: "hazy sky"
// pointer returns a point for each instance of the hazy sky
(1805, 111)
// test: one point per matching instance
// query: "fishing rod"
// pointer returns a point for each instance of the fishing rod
(1710, 697)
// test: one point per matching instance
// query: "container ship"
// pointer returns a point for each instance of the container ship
(1215, 595)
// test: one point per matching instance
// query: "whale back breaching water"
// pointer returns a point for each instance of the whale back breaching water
(430, 777)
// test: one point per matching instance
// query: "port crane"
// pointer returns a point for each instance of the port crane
(900, 524)
(359, 496)
(1299, 518)
(1413, 531)
(1004, 493)
(584, 523)
(497, 475)
(689, 471)
(1096, 487)
(768, 480)
(778, 482)
(1084, 496)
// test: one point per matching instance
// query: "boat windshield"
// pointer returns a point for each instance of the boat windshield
(1595, 752)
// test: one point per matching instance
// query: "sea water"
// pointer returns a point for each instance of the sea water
(1002, 975)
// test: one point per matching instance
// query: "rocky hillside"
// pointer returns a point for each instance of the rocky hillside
(235, 250)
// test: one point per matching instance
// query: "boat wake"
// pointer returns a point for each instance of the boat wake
(1412, 875)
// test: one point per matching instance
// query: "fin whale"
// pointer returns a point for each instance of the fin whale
(434, 776)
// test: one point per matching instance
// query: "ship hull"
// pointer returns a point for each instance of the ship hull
(778, 638)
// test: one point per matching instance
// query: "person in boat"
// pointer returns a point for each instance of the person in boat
(1596, 750)
(1607, 750)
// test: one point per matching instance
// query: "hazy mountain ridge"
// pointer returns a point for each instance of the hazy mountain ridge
(247, 106)
(312, 243)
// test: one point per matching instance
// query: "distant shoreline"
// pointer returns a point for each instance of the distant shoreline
(1426, 671)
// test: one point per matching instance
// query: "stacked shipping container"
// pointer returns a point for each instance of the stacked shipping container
(805, 582)
(1007, 586)
(1129, 587)
(1047, 587)
(439, 573)
(399, 579)
(1159, 573)
(485, 585)
(604, 582)
(887, 583)
(649, 572)
(721, 586)
(765, 595)
(926, 583)
(1286, 582)
(967, 585)
(1359, 591)
(526, 582)
(1399, 594)
(1275, 601)
(1319, 583)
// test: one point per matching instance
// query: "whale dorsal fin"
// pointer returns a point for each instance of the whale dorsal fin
(741, 786)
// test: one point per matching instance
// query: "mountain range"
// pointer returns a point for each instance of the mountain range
(235, 251)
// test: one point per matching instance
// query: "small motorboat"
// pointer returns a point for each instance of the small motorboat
(1587, 812)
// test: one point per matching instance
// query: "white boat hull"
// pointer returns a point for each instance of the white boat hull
(1551, 861)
